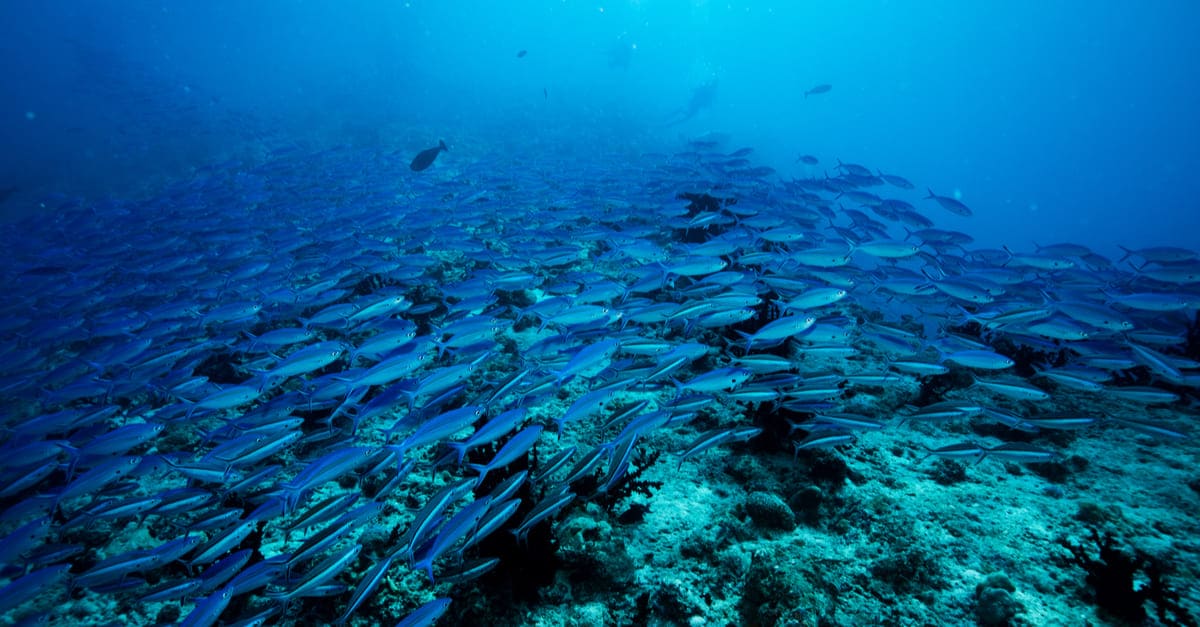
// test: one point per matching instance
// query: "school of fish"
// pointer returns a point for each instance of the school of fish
(222, 398)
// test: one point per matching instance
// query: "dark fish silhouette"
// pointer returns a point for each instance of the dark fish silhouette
(819, 89)
(425, 158)
(951, 204)
(702, 98)
(809, 159)
(709, 141)
(521, 53)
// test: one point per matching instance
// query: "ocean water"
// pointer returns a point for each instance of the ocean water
(564, 313)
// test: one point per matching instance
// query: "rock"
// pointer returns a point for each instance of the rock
(769, 511)
(996, 607)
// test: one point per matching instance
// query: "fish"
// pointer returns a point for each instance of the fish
(824, 439)
(585, 406)
(326, 468)
(429, 516)
(888, 249)
(173, 590)
(516, 447)
(542, 510)
(426, 615)
(953, 205)
(818, 89)
(961, 450)
(492, 430)
(588, 359)
(305, 360)
(1022, 453)
(230, 397)
(1013, 388)
(1161, 254)
(331, 567)
(778, 330)
(425, 158)
(522, 53)
(366, 586)
(898, 181)
(1154, 429)
(981, 359)
(1069, 422)
(97, 477)
(440, 427)
(553, 465)
(718, 437)
(498, 513)
(455, 529)
(717, 380)
(208, 609)
(258, 575)
(702, 98)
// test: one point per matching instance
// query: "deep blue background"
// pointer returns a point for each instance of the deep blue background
(1061, 121)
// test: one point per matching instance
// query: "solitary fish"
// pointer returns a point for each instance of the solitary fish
(808, 159)
(425, 158)
(521, 53)
(819, 89)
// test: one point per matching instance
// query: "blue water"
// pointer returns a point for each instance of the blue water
(564, 312)
(1071, 121)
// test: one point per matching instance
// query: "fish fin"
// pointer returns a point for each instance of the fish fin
(748, 337)
(482, 470)
(1010, 255)
(460, 448)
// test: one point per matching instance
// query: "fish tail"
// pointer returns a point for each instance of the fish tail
(459, 448)
(678, 387)
(482, 469)
(748, 337)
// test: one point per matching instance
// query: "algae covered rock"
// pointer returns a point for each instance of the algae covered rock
(768, 511)
(779, 591)
(995, 605)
